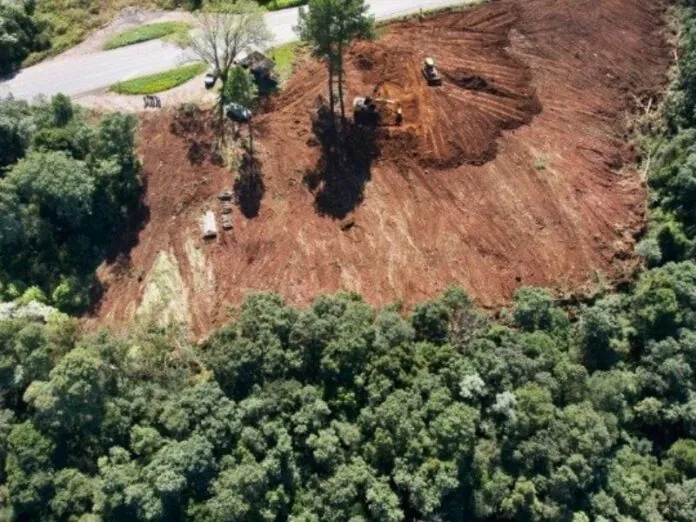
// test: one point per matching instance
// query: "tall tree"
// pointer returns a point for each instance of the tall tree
(329, 26)
(240, 88)
(226, 30)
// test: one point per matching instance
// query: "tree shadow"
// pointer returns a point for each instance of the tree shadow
(198, 150)
(130, 232)
(249, 187)
(118, 256)
(191, 123)
(344, 168)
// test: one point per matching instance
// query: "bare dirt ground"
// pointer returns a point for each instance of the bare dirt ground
(193, 91)
(515, 172)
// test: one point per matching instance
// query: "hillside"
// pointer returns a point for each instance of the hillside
(514, 173)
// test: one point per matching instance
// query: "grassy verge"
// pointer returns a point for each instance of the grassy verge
(71, 21)
(284, 57)
(154, 83)
(145, 33)
(275, 5)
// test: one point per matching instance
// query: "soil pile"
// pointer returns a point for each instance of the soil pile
(512, 173)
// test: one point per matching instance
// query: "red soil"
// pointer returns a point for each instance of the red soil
(513, 173)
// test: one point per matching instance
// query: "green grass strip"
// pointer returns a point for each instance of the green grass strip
(145, 33)
(275, 5)
(159, 82)
(284, 57)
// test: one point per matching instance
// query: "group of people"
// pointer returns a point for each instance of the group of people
(152, 101)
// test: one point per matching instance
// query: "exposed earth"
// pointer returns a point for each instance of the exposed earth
(515, 172)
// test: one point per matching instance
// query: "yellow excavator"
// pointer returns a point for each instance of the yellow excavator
(376, 111)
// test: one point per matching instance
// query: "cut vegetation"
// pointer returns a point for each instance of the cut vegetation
(145, 33)
(154, 83)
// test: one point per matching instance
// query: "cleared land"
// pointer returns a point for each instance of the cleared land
(154, 83)
(145, 33)
(513, 173)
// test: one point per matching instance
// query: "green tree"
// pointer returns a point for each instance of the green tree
(241, 88)
(226, 30)
(604, 334)
(15, 131)
(20, 32)
(29, 469)
(58, 185)
(430, 321)
(329, 26)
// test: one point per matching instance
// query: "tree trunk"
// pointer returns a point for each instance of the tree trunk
(251, 140)
(340, 83)
(221, 120)
(332, 98)
(332, 101)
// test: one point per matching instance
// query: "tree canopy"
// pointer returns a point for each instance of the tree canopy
(67, 190)
(240, 88)
(20, 33)
(340, 411)
(329, 26)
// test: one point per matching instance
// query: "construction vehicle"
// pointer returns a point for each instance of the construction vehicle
(376, 111)
(430, 72)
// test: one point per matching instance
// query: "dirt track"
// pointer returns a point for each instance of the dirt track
(513, 173)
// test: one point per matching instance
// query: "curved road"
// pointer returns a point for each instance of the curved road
(76, 75)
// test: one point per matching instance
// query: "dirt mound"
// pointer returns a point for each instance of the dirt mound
(512, 173)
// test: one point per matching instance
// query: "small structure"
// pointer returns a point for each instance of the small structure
(227, 222)
(225, 195)
(226, 207)
(209, 225)
(258, 64)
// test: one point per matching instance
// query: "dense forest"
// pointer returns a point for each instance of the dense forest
(68, 186)
(340, 412)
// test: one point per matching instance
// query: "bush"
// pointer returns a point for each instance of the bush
(33, 293)
(70, 295)
(274, 5)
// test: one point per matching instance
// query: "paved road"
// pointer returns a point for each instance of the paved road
(78, 75)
